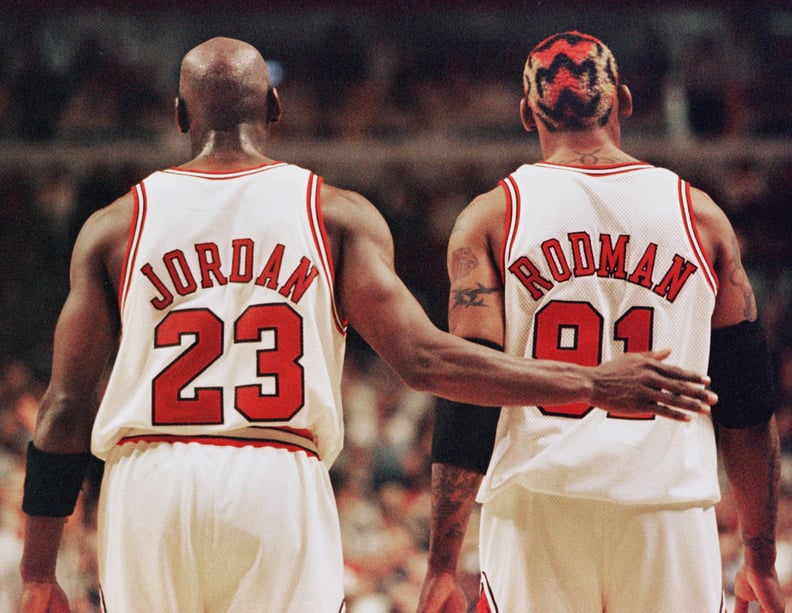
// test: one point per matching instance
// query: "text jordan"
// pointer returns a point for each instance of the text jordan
(206, 268)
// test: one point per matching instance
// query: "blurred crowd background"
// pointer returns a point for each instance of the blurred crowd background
(415, 106)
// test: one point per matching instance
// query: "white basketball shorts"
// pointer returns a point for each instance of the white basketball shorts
(569, 555)
(212, 528)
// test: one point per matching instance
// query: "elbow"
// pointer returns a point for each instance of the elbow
(422, 372)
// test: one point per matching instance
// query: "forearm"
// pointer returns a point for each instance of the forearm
(40, 553)
(751, 457)
(445, 365)
(64, 423)
(453, 498)
(460, 371)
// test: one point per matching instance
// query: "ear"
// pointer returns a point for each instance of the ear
(624, 97)
(526, 116)
(274, 106)
(182, 117)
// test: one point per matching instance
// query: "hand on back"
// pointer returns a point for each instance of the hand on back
(640, 383)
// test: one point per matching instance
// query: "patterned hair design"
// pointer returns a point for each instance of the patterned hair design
(570, 81)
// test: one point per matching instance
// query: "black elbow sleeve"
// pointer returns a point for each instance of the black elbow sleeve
(741, 375)
(464, 435)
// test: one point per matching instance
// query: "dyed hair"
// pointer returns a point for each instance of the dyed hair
(570, 81)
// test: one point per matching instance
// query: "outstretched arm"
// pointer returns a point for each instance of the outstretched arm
(380, 307)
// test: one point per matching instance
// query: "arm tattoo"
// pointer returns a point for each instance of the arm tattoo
(739, 277)
(462, 263)
(472, 296)
(452, 494)
(764, 543)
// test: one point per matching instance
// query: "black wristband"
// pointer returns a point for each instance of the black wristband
(53, 481)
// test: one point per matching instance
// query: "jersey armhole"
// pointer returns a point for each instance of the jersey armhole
(510, 223)
(322, 243)
(133, 242)
(689, 219)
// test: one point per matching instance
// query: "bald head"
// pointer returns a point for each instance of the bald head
(223, 83)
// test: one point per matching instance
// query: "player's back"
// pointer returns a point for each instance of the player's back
(598, 261)
(229, 326)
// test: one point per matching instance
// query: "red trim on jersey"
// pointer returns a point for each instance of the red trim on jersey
(602, 170)
(486, 602)
(506, 226)
(303, 432)
(512, 216)
(216, 175)
(224, 441)
(133, 241)
(313, 203)
(125, 274)
(686, 206)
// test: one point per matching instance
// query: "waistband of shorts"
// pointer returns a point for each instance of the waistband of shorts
(281, 438)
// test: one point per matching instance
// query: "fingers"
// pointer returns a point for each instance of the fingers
(696, 399)
(684, 389)
(751, 587)
(675, 372)
(663, 411)
(640, 384)
(679, 405)
(660, 354)
(742, 606)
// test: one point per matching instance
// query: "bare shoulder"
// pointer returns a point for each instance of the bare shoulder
(103, 238)
(735, 300)
(350, 217)
(709, 216)
(705, 209)
(476, 292)
(109, 222)
(714, 228)
(478, 228)
(342, 207)
(481, 222)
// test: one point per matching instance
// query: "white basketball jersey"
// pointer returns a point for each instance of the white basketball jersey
(598, 261)
(229, 327)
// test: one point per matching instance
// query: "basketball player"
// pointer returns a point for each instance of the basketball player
(587, 509)
(231, 280)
